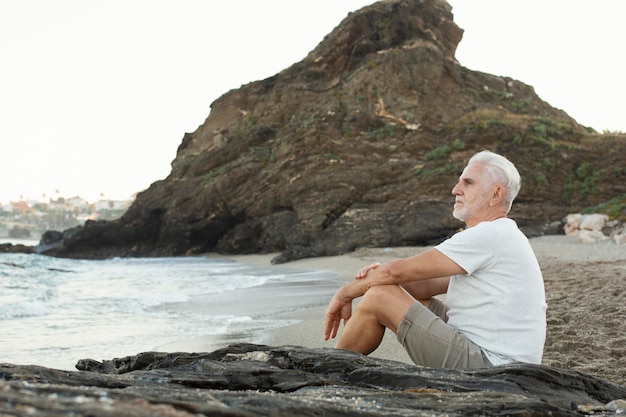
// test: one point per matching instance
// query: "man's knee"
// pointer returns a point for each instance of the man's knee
(388, 303)
(379, 295)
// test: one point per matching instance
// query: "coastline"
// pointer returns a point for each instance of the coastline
(567, 265)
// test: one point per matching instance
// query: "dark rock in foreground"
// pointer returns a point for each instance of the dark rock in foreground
(246, 380)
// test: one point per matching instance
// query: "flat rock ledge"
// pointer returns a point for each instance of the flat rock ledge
(259, 380)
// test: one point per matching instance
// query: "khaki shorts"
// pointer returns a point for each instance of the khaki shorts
(431, 342)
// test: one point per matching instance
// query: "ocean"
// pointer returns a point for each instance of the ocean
(56, 311)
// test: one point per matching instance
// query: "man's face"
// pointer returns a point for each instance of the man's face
(472, 192)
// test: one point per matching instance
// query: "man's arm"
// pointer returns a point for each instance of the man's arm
(429, 265)
(427, 289)
(423, 266)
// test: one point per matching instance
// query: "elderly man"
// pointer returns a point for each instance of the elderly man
(494, 311)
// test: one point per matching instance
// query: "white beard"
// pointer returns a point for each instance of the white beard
(457, 215)
(460, 214)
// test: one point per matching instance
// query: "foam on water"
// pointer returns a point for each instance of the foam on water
(23, 309)
(56, 311)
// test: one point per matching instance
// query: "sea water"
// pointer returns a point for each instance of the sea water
(56, 311)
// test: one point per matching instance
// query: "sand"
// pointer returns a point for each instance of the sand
(585, 290)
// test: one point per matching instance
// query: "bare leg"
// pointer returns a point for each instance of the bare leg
(382, 307)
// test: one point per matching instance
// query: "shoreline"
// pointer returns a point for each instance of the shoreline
(567, 264)
(549, 249)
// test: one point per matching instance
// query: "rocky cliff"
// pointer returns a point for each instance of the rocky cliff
(359, 144)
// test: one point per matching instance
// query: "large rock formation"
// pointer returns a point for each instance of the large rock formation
(359, 144)
(256, 380)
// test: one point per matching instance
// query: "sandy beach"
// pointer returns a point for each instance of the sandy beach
(585, 291)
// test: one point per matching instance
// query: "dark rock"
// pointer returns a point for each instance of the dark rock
(49, 240)
(50, 237)
(247, 380)
(359, 145)
(19, 248)
(554, 228)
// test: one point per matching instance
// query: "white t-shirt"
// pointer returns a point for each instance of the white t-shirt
(500, 304)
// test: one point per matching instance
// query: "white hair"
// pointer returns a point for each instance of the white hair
(502, 171)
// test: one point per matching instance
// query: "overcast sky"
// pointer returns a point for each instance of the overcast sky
(95, 96)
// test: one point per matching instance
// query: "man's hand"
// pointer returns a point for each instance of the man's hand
(363, 271)
(337, 310)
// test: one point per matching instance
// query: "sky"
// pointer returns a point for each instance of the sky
(95, 96)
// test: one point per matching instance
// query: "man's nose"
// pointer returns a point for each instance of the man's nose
(455, 190)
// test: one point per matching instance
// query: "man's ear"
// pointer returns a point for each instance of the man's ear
(497, 196)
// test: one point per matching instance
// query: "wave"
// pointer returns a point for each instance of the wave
(22, 310)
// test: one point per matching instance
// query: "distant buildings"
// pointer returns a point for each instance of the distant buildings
(56, 214)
